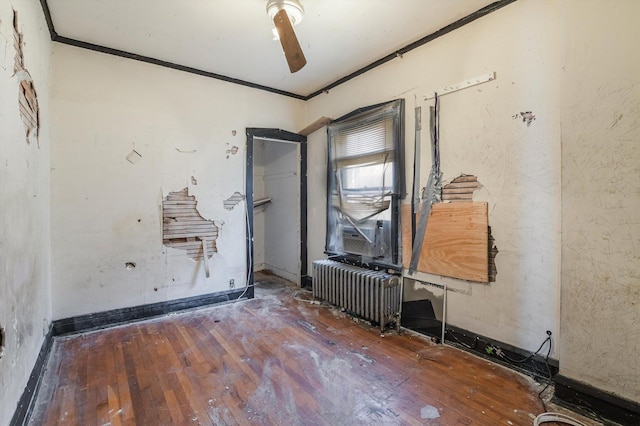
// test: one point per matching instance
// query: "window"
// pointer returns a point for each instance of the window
(365, 183)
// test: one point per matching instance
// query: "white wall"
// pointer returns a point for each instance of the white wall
(25, 298)
(518, 165)
(282, 216)
(259, 212)
(106, 211)
(601, 196)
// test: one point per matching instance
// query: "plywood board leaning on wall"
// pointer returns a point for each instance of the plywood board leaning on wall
(455, 242)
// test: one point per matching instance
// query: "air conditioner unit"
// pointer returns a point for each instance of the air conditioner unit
(369, 239)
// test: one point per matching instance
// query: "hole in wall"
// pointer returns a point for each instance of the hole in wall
(129, 266)
(493, 252)
(2, 340)
(27, 97)
(460, 189)
(184, 228)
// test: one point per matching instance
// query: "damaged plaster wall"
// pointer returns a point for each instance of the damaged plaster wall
(107, 211)
(518, 165)
(601, 196)
(184, 228)
(25, 297)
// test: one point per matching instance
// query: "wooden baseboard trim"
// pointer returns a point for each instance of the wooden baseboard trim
(25, 403)
(113, 317)
(306, 282)
(589, 400)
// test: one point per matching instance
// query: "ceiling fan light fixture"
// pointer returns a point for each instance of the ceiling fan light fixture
(294, 9)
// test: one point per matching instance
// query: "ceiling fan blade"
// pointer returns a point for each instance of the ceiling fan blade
(289, 41)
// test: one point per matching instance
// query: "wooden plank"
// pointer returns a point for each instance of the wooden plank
(472, 185)
(185, 209)
(465, 197)
(190, 234)
(180, 198)
(181, 214)
(182, 245)
(458, 190)
(27, 114)
(179, 203)
(455, 242)
(185, 220)
(194, 227)
(168, 232)
(185, 224)
(463, 178)
(205, 257)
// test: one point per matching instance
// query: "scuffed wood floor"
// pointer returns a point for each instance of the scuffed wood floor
(274, 360)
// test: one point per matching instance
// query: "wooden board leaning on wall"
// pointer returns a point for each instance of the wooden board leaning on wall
(455, 242)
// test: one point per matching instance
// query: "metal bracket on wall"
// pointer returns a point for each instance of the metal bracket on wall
(484, 78)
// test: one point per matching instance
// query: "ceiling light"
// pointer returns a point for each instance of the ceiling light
(294, 9)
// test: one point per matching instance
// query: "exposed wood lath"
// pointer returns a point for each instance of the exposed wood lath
(460, 189)
(27, 97)
(183, 228)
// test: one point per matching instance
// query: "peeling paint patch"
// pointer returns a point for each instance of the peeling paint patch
(194, 181)
(232, 151)
(184, 228)
(27, 97)
(527, 117)
(233, 201)
(460, 189)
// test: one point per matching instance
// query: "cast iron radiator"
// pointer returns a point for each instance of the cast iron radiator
(372, 295)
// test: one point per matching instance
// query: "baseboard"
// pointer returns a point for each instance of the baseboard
(124, 315)
(306, 282)
(485, 347)
(27, 400)
(589, 400)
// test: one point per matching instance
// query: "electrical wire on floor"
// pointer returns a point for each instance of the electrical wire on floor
(556, 417)
(530, 356)
(546, 376)
(309, 301)
(460, 342)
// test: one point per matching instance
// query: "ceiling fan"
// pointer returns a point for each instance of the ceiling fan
(285, 14)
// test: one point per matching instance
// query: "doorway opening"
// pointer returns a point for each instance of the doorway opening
(276, 190)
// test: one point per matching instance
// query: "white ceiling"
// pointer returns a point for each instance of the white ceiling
(233, 37)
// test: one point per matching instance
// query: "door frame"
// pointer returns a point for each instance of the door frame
(282, 135)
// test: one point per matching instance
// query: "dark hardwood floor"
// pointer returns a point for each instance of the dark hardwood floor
(273, 360)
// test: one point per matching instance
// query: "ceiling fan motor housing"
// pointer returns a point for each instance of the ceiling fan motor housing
(294, 9)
